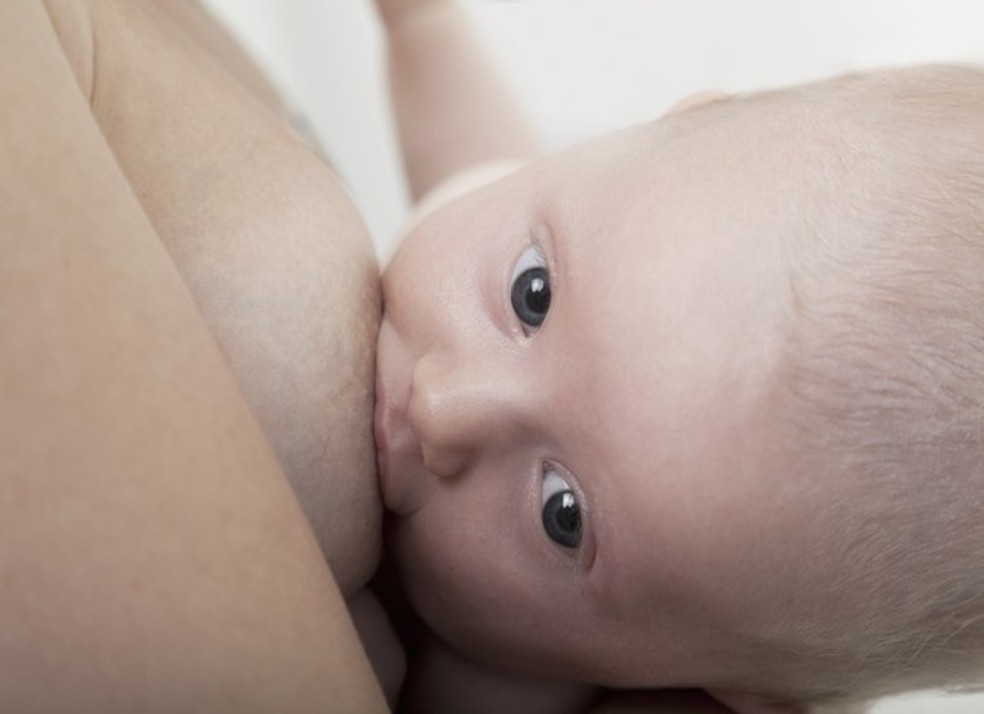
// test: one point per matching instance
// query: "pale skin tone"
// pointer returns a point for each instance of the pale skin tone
(187, 455)
(445, 132)
(647, 392)
(189, 309)
(157, 558)
(480, 411)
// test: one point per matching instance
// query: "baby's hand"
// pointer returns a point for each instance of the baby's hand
(393, 11)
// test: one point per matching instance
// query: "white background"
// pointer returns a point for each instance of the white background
(582, 67)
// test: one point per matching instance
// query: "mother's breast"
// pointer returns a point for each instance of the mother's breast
(271, 247)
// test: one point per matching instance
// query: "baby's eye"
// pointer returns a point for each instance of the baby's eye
(530, 292)
(560, 511)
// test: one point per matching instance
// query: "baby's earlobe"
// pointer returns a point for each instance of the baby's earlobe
(697, 99)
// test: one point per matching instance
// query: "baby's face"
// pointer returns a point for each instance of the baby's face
(573, 423)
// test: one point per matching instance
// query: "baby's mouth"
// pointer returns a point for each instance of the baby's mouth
(381, 420)
(397, 449)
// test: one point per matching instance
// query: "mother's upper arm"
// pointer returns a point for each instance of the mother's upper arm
(152, 555)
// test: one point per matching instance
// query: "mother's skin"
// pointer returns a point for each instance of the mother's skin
(273, 251)
(161, 223)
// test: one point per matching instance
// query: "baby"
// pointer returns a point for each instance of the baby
(701, 404)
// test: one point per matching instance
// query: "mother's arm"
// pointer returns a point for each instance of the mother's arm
(152, 555)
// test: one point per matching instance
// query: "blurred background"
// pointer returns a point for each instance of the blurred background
(583, 67)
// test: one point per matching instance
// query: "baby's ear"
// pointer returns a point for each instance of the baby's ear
(695, 100)
(747, 703)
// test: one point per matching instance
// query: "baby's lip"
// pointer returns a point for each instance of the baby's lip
(383, 419)
(379, 432)
(396, 447)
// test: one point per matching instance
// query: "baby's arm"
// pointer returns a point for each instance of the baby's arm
(452, 110)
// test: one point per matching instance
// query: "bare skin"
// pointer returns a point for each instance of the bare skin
(483, 418)
(161, 225)
(274, 253)
(189, 306)
(454, 142)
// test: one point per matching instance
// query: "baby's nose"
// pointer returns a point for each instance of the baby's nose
(456, 412)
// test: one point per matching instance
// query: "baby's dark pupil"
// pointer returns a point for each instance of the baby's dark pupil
(562, 519)
(531, 296)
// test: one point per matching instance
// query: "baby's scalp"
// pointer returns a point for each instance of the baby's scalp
(881, 387)
(877, 397)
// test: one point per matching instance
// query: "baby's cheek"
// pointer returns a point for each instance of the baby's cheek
(440, 567)
(479, 598)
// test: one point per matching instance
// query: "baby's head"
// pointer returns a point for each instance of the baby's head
(702, 403)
